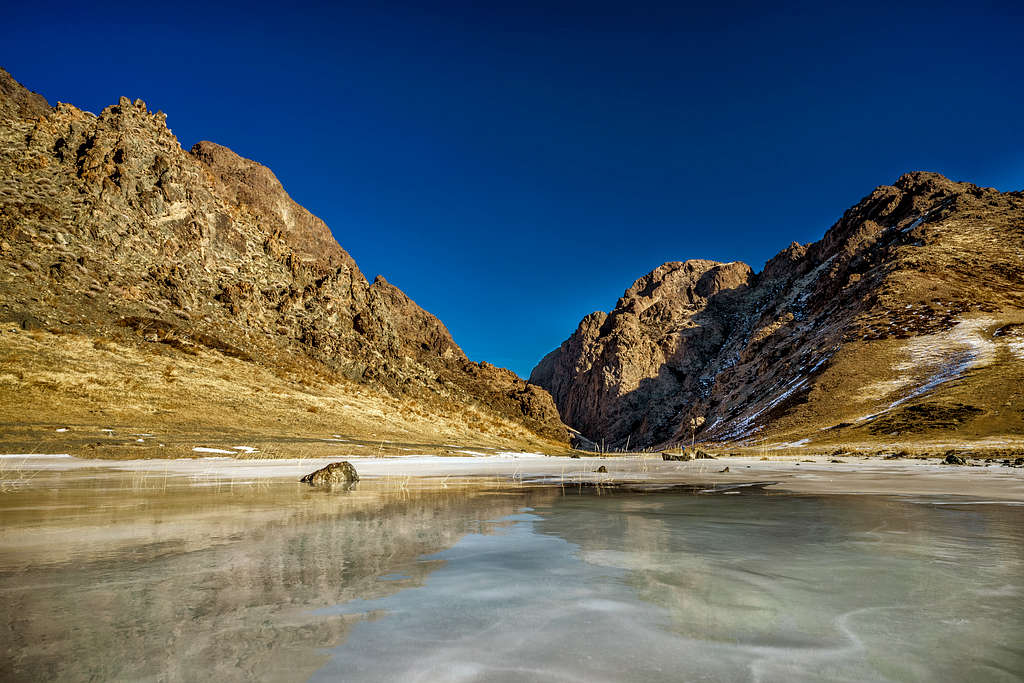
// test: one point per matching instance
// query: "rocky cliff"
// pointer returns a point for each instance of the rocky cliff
(111, 232)
(904, 322)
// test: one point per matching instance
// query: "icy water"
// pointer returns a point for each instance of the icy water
(123, 577)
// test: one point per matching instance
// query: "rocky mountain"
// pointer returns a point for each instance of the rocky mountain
(905, 322)
(116, 242)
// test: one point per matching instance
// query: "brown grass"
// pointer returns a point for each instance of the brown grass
(48, 380)
(989, 398)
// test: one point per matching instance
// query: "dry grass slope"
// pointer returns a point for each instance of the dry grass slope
(156, 401)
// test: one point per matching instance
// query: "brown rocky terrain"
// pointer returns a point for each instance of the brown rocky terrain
(146, 286)
(903, 324)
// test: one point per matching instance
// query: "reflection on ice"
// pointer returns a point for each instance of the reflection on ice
(104, 575)
(683, 588)
(107, 581)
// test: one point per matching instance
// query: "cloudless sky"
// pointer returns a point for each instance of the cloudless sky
(515, 167)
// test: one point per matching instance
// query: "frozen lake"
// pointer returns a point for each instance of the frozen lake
(111, 575)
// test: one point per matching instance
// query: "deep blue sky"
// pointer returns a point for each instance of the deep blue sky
(515, 168)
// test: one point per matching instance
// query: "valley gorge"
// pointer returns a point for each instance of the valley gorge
(144, 284)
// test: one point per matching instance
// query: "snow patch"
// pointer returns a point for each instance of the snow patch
(916, 223)
(204, 449)
(791, 444)
(927, 214)
(945, 356)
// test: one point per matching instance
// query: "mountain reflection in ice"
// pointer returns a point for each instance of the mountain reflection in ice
(102, 578)
(661, 587)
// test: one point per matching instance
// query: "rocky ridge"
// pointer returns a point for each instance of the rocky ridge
(109, 230)
(904, 322)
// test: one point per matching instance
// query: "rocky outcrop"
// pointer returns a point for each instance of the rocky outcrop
(108, 227)
(909, 295)
(630, 373)
(246, 183)
(17, 101)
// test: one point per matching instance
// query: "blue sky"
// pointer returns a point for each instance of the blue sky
(515, 167)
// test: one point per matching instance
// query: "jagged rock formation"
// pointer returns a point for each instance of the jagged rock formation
(110, 230)
(627, 372)
(903, 322)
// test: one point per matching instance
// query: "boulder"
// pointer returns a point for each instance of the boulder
(682, 457)
(336, 473)
(954, 459)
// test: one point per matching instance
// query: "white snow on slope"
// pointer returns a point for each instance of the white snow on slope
(935, 359)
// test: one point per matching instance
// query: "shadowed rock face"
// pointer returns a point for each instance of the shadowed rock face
(630, 372)
(903, 298)
(108, 226)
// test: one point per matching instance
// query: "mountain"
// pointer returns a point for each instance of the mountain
(904, 323)
(145, 285)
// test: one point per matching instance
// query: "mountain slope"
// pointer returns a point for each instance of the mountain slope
(905, 322)
(111, 233)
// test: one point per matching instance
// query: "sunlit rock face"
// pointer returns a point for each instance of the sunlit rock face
(108, 228)
(914, 297)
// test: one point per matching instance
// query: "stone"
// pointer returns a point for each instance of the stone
(954, 459)
(30, 322)
(681, 457)
(601, 469)
(333, 474)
